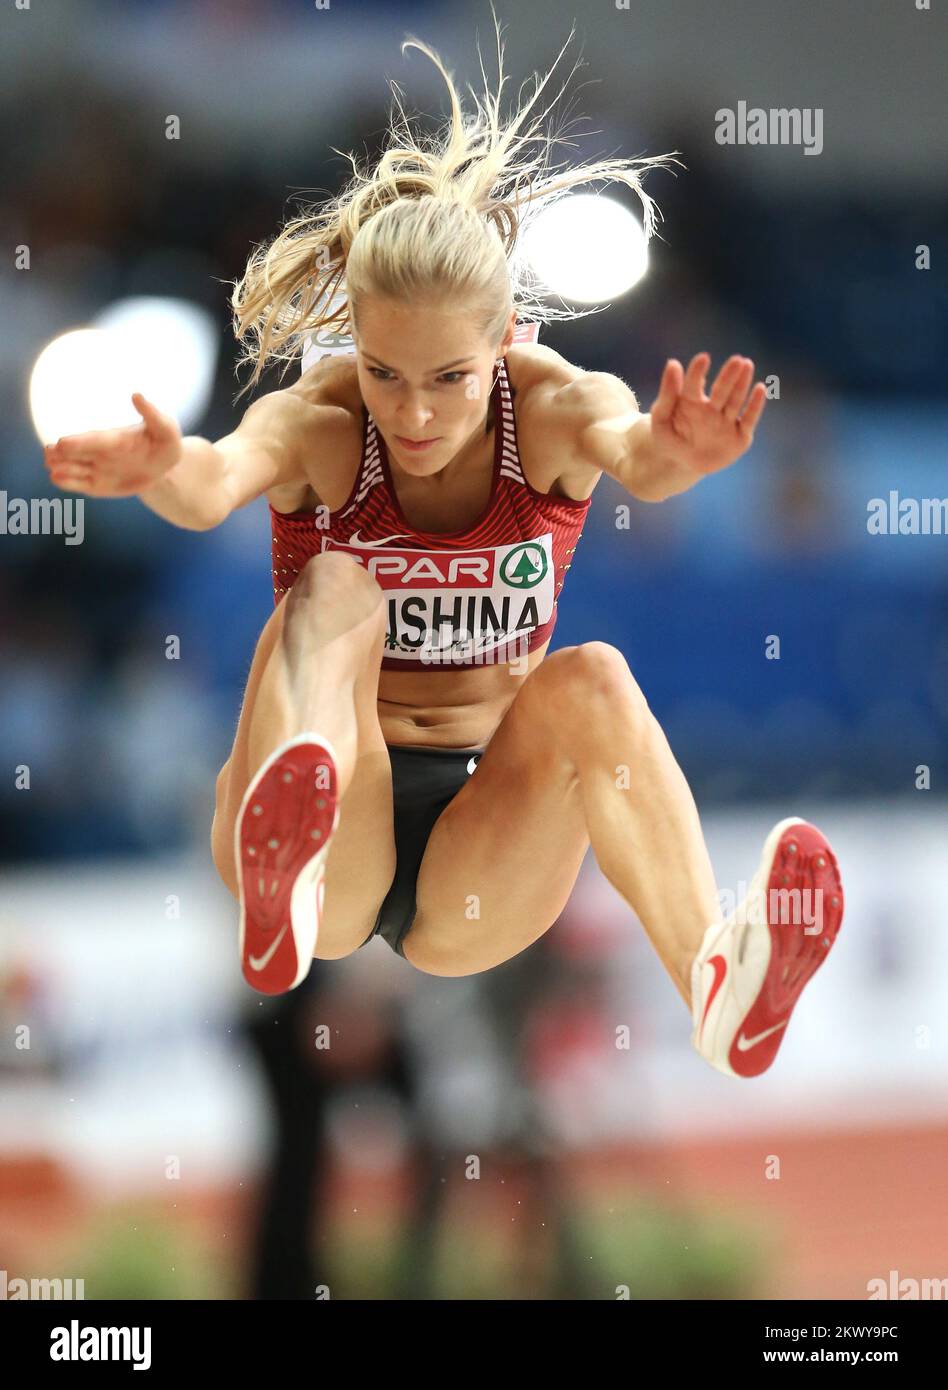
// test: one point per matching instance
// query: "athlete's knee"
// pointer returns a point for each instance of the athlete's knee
(604, 670)
(333, 568)
(431, 958)
(335, 584)
(334, 591)
(588, 684)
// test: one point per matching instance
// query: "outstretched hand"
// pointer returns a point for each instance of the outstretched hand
(118, 462)
(706, 433)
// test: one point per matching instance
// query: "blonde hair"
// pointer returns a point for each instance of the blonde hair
(437, 218)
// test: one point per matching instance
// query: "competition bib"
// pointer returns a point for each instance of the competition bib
(458, 605)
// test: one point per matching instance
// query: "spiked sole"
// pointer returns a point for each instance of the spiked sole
(281, 841)
(750, 971)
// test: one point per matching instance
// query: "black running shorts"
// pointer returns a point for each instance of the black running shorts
(424, 780)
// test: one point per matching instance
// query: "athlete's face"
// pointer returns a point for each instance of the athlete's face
(425, 374)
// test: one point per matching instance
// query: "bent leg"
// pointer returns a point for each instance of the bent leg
(503, 856)
(642, 818)
(577, 759)
(316, 667)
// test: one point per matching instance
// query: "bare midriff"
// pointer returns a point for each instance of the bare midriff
(450, 709)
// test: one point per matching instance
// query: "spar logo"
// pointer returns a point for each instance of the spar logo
(400, 568)
(524, 566)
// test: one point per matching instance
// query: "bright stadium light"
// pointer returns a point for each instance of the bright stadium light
(174, 344)
(587, 247)
(80, 382)
(84, 379)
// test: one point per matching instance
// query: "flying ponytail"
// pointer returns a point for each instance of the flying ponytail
(437, 218)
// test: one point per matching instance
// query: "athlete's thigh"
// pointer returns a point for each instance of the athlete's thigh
(361, 860)
(504, 855)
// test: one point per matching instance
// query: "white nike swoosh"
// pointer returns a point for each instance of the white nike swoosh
(744, 1044)
(259, 963)
(354, 540)
(472, 763)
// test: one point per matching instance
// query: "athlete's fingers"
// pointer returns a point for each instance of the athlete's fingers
(693, 389)
(101, 465)
(63, 460)
(60, 464)
(68, 470)
(72, 482)
(735, 400)
(73, 446)
(75, 466)
(724, 385)
(149, 413)
(754, 409)
(69, 445)
(669, 390)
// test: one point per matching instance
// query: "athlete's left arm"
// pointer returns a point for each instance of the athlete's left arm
(685, 436)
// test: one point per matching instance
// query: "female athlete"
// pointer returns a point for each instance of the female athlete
(409, 760)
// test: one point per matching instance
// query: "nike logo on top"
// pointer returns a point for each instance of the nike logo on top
(354, 540)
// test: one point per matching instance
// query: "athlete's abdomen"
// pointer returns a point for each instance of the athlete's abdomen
(450, 709)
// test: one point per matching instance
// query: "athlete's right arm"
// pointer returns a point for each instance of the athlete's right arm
(212, 480)
(192, 482)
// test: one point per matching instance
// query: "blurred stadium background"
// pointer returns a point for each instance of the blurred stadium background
(168, 1133)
